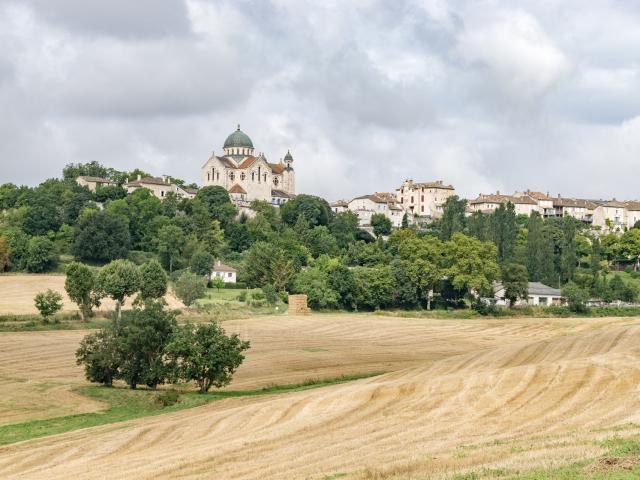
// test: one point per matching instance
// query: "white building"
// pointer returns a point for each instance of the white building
(249, 177)
(227, 273)
(368, 205)
(539, 294)
(160, 187)
(610, 215)
(523, 205)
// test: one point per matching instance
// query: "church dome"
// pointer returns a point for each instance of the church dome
(238, 139)
(288, 157)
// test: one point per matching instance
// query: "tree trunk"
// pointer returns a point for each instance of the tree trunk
(118, 310)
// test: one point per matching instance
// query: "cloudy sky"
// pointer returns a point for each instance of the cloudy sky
(486, 95)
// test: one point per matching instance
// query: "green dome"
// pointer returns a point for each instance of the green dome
(288, 156)
(238, 139)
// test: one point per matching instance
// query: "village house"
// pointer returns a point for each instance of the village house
(160, 187)
(633, 213)
(538, 294)
(93, 183)
(523, 205)
(339, 206)
(424, 199)
(384, 203)
(573, 207)
(544, 202)
(249, 177)
(225, 272)
(610, 215)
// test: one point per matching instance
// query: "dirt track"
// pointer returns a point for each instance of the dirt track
(463, 394)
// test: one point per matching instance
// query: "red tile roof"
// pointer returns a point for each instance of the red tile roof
(237, 189)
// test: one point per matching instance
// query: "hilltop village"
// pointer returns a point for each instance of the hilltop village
(249, 176)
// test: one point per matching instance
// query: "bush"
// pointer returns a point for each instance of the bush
(40, 255)
(242, 296)
(485, 308)
(168, 398)
(576, 297)
(48, 303)
(270, 294)
(234, 286)
(190, 287)
(139, 257)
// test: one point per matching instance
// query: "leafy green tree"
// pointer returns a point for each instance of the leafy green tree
(595, 257)
(421, 260)
(99, 354)
(18, 243)
(202, 263)
(143, 336)
(9, 194)
(319, 241)
(101, 236)
(4, 253)
(381, 224)
(205, 354)
(270, 294)
(375, 286)
(515, 282)
(342, 281)
(568, 258)
(40, 255)
(170, 244)
(41, 218)
(107, 193)
(453, 218)
(268, 264)
(190, 287)
(405, 221)
(344, 227)
(576, 297)
(153, 281)
(628, 246)
(218, 283)
(91, 169)
(470, 265)
(142, 208)
(118, 280)
(478, 226)
(80, 285)
(314, 283)
(48, 303)
(218, 204)
(315, 210)
(237, 237)
(214, 239)
(503, 229)
(540, 251)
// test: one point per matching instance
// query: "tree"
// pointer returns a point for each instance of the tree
(153, 281)
(381, 224)
(628, 246)
(40, 255)
(469, 263)
(268, 264)
(421, 261)
(190, 287)
(568, 258)
(218, 283)
(216, 200)
(314, 283)
(99, 354)
(503, 228)
(141, 340)
(92, 169)
(540, 251)
(101, 236)
(48, 303)
(375, 286)
(315, 210)
(118, 280)
(169, 243)
(202, 263)
(214, 239)
(576, 297)
(344, 227)
(514, 282)
(405, 220)
(205, 354)
(4, 253)
(270, 294)
(80, 284)
(342, 281)
(453, 218)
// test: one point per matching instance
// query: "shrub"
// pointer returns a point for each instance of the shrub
(242, 296)
(168, 398)
(270, 294)
(153, 280)
(48, 303)
(576, 297)
(190, 287)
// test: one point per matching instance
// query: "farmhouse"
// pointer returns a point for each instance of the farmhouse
(227, 273)
(93, 183)
(539, 294)
(160, 187)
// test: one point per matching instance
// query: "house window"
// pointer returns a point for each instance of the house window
(253, 176)
(542, 300)
(232, 175)
(162, 193)
(208, 176)
(411, 198)
(229, 274)
(217, 175)
(265, 177)
(242, 176)
(275, 181)
(422, 208)
(422, 198)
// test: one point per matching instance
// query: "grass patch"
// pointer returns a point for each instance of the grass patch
(62, 321)
(125, 404)
(314, 349)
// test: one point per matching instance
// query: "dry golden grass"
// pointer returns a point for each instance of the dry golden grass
(17, 292)
(461, 395)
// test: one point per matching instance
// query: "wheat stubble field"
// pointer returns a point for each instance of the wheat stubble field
(460, 395)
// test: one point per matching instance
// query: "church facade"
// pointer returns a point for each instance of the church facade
(247, 176)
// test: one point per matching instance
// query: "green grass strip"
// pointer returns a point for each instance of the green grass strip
(125, 404)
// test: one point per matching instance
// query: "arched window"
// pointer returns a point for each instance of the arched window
(242, 176)
(208, 176)
(217, 175)
(265, 177)
(253, 176)
(232, 175)
(258, 174)
(275, 181)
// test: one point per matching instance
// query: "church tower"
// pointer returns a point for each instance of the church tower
(288, 174)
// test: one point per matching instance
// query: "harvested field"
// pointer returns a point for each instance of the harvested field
(503, 394)
(17, 292)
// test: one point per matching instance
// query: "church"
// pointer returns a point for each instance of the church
(249, 177)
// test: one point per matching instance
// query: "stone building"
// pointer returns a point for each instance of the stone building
(160, 187)
(248, 176)
(423, 199)
(93, 183)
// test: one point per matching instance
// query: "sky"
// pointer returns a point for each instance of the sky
(486, 95)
